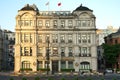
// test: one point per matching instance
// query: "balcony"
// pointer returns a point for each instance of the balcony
(69, 58)
(84, 55)
(26, 54)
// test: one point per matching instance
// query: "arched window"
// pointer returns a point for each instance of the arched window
(25, 64)
(84, 65)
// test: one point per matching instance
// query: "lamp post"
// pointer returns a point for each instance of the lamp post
(47, 56)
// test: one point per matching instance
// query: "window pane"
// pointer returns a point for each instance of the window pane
(63, 65)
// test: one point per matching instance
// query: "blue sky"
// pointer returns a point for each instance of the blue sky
(107, 12)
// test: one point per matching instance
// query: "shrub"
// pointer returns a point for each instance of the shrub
(11, 79)
(37, 78)
(114, 79)
(76, 78)
(89, 79)
(63, 79)
(102, 79)
(24, 78)
(67, 70)
(26, 69)
(43, 69)
(50, 79)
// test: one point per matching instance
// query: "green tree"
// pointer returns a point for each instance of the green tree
(111, 53)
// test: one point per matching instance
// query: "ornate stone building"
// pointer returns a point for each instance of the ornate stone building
(69, 39)
(1, 48)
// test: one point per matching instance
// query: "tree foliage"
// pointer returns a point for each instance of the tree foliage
(111, 53)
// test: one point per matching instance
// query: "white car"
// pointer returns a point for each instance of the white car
(109, 71)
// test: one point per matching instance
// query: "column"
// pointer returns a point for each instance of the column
(50, 65)
(44, 64)
(66, 64)
(66, 51)
(59, 65)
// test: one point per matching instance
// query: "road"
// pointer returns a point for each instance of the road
(7, 76)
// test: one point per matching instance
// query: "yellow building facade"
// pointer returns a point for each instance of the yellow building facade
(69, 39)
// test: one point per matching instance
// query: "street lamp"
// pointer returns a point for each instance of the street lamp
(47, 56)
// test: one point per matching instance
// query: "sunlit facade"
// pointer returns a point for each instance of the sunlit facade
(71, 36)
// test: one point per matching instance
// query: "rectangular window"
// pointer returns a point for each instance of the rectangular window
(83, 23)
(70, 23)
(20, 22)
(79, 51)
(84, 38)
(46, 64)
(79, 23)
(88, 23)
(70, 64)
(25, 65)
(40, 38)
(62, 38)
(40, 23)
(63, 65)
(84, 51)
(47, 23)
(26, 37)
(40, 64)
(55, 38)
(26, 22)
(62, 23)
(26, 51)
(62, 51)
(30, 38)
(30, 51)
(47, 38)
(70, 51)
(70, 38)
(22, 51)
(55, 24)
(39, 51)
(31, 22)
(88, 51)
(89, 38)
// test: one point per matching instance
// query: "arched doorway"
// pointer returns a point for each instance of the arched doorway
(25, 65)
(85, 66)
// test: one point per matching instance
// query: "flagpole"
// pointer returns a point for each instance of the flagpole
(49, 5)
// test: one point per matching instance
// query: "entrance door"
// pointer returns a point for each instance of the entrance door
(54, 66)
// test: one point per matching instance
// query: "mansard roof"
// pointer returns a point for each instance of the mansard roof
(82, 8)
(30, 7)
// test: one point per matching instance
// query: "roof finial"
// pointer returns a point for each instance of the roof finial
(81, 5)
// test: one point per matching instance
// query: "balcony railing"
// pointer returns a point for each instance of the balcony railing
(26, 54)
(84, 55)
